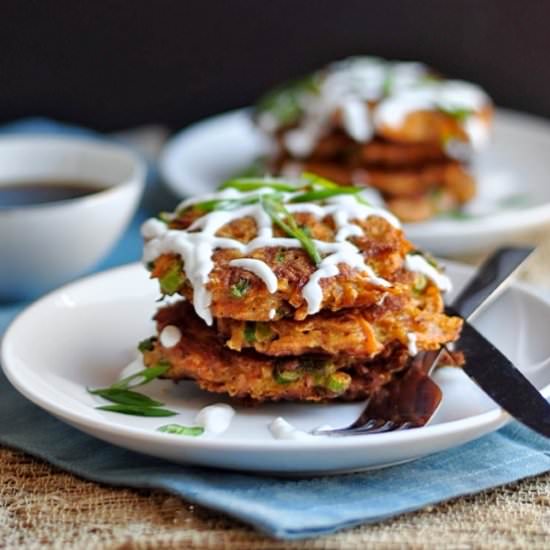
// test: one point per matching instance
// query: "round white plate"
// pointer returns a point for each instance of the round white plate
(512, 174)
(84, 334)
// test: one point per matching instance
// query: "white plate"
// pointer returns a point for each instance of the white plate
(85, 333)
(512, 174)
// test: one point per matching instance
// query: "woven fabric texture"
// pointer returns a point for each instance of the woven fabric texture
(45, 507)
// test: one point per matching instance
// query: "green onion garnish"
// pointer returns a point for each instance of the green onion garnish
(223, 204)
(173, 279)
(147, 345)
(240, 288)
(137, 410)
(127, 401)
(252, 184)
(322, 194)
(459, 113)
(178, 429)
(284, 219)
(388, 84)
(319, 181)
(143, 377)
(126, 397)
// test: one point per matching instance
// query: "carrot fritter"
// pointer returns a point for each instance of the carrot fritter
(419, 139)
(412, 194)
(431, 127)
(396, 155)
(402, 182)
(361, 333)
(239, 294)
(201, 355)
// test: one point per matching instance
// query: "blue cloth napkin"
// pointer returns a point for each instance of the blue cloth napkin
(283, 508)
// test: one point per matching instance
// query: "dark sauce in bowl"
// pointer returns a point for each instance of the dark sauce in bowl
(31, 193)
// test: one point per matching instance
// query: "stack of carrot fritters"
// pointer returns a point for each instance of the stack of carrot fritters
(396, 127)
(291, 291)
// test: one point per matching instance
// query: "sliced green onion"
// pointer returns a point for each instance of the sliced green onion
(130, 402)
(420, 283)
(284, 219)
(147, 345)
(178, 429)
(240, 288)
(126, 397)
(459, 113)
(338, 382)
(143, 377)
(321, 194)
(287, 376)
(136, 410)
(251, 184)
(319, 180)
(173, 279)
(388, 84)
(224, 204)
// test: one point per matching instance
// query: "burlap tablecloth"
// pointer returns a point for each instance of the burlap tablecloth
(41, 506)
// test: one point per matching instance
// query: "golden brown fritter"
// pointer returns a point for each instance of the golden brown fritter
(402, 182)
(431, 127)
(361, 333)
(239, 294)
(378, 153)
(412, 194)
(339, 147)
(201, 355)
(419, 140)
(401, 129)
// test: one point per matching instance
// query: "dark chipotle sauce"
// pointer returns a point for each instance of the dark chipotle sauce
(41, 192)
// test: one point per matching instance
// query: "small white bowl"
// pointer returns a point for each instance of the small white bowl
(45, 245)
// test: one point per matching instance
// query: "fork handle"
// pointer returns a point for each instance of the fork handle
(489, 280)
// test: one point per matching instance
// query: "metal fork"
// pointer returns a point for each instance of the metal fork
(411, 400)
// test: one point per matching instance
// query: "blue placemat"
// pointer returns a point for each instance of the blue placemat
(288, 509)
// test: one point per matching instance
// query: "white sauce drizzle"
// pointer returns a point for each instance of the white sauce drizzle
(419, 264)
(281, 429)
(272, 313)
(215, 418)
(348, 254)
(348, 231)
(197, 244)
(260, 269)
(413, 349)
(356, 119)
(152, 228)
(398, 88)
(170, 336)
(447, 95)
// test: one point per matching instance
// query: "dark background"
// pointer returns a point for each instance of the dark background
(118, 63)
